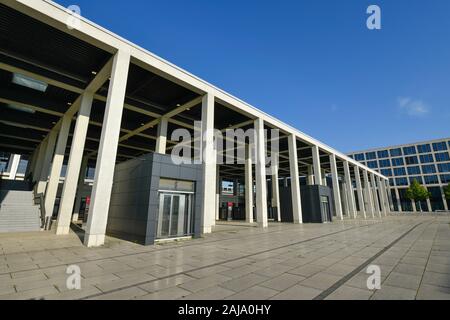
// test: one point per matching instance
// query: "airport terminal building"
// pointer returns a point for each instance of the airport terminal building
(88, 127)
(428, 162)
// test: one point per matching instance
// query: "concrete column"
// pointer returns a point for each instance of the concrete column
(345, 198)
(359, 190)
(13, 166)
(316, 165)
(375, 195)
(369, 195)
(336, 192)
(218, 191)
(40, 160)
(48, 155)
(414, 206)
(260, 174)
(209, 164)
(444, 200)
(399, 202)
(74, 164)
(80, 187)
(106, 159)
(390, 199)
(55, 172)
(248, 184)
(295, 180)
(310, 177)
(430, 208)
(350, 192)
(276, 190)
(382, 192)
(32, 162)
(161, 140)
(324, 178)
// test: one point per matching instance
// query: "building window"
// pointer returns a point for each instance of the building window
(386, 172)
(392, 182)
(397, 162)
(431, 180)
(418, 179)
(409, 150)
(440, 146)
(426, 158)
(424, 148)
(372, 164)
(401, 181)
(444, 167)
(445, 178)
(385, 163)
(429, 168)
(383, 154)
(399, 172)
(359, 157)
(396, 152)
(371, 155)
(413, 170)
(411, 160)
(441, 157)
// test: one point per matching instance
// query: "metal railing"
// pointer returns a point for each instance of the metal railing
(39, 200)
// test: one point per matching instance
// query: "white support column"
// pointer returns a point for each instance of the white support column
(58, 160)
(32, 162)
(260, 174)
(324, 178)
(444, 200)
(345, 198)
(414, 206)
(80, 187)
(350, 192)
(375, 195)
(40, 160)
(399, 202)
(74, 164)
(316, 164)
(276, 190)
(48, 155)
(336, 192)
(387, 193)
(359, 190)
(161, 139)
(430, 208)
(295, 180)
(369, 195)
(390, 198)
(218, 191)
(209, 160)
(107, 153)
(248, 184)
(382, 193)
(13, 166)
(310, 177)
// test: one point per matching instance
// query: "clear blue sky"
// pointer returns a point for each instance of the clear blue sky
(312, 64)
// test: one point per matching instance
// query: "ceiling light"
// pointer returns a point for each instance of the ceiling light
(21, 108)
(178, 105)
(69, 103)
(94, 72)
(28, 82)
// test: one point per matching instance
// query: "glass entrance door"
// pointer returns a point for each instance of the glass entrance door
(175, 215)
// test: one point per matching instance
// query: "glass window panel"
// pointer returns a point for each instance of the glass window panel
(424, 148)
(413, 170)
(426, 158)
(383, 154)
(431, 180)
(385, 163)
(396, 152)
(371, 155)
(409, 150)
(399, 172)
(429, 168)
(411, 160)
(441, 157)
(444, 167)
(397, 162)
(440, 146)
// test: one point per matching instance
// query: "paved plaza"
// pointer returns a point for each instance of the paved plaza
(238, 262)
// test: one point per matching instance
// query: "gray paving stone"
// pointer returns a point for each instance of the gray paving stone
(403, 280)
(200, 284)
(282, 282)
(320, 281)
(211, 293)
(297, 292)
(394, 293)
(350, 293)
(245, 282)
(254, 293)
(430, 292)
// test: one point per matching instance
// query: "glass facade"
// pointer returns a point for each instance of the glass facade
(426, 162)
(396, 152)
(441, 157)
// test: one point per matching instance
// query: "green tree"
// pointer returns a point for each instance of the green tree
(417, 193)
(447, 192)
